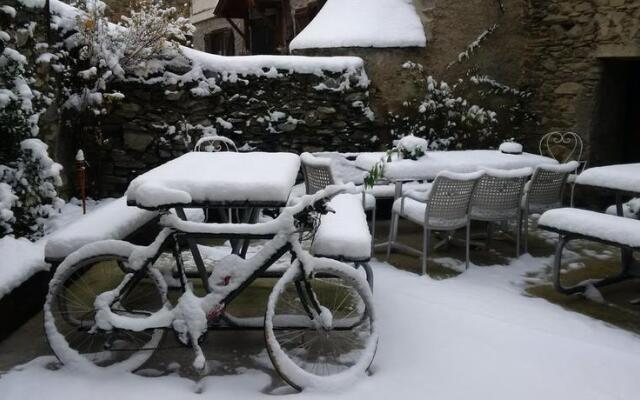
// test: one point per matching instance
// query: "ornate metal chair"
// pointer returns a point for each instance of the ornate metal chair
(214, 143)
(544, 191)
(318, 175)
(498, 198)
(564, 147)
(444, 207)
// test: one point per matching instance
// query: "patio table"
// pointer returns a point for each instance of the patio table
(225, 179)
(429, 166)
(622, 180)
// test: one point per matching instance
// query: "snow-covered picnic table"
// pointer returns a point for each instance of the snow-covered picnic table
(619, 177)
(217, 180)
(434, 162)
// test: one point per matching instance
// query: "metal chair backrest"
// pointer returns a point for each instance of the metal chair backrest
(317, 172)
(546, 187)
(498, 194)
(449, 199)
(215, 143)
(562, 146)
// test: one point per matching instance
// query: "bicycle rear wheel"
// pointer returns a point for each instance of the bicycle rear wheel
(320, 331)
(70, 312)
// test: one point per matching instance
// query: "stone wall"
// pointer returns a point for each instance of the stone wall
(568, 42)
(155, 123)
(450, 26)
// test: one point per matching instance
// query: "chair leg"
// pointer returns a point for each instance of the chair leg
(373, 229)
(489, 234)
(573, 187)
(467, 241)
(393, 230)
(518, 232)
(526, 232)
(425, 249)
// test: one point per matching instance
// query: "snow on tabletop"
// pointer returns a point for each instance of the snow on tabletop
(344, 233)
(508, 173)
(217, 177)
(363, 23)
(618, 177)
(114, 220)
(459, 161)
(21, 259)
(600, 225)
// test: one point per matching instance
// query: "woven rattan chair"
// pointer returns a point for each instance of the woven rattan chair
(318, 175)
(497, 199)
(444, 207)
(215, 143)
(564, 147)
(544, 191)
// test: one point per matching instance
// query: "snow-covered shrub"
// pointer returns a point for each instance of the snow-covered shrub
(7, 201)
(412, 147)
(473, 112)
(409, 147)
(28, 177)
(102, 50)
(33, 178)
(444, 118)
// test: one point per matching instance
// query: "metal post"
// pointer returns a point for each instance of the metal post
(81, 167)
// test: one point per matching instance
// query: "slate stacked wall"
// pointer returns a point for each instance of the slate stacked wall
(155, 123)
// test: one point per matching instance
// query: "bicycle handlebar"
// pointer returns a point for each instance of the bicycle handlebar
(274, 226)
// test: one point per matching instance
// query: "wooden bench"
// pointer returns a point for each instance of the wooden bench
(573, 223)
(115, 220)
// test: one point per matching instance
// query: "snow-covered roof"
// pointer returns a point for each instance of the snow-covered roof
(363, 23)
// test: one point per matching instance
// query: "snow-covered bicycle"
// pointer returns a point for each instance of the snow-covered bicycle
(108, 304)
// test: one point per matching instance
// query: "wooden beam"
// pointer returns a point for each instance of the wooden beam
(237, 29)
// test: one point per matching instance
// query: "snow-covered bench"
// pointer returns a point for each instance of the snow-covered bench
(573, 223)
(344, 234)
(114, 220)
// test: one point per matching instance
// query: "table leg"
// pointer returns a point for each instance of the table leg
(397, 193)
(240, 246)
(197, 258)
(254, 213)
(626, 255)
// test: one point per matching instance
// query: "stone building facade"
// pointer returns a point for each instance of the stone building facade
(229, 27)
(583, 60)
(580, 59)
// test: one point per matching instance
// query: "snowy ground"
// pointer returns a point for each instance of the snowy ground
(472, 336)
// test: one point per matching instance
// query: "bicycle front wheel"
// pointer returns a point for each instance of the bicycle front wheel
(70, 310)
(320, 331)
